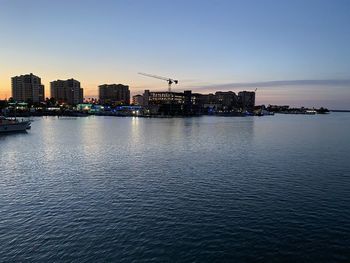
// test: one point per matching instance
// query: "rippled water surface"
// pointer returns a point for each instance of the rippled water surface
(269, 189)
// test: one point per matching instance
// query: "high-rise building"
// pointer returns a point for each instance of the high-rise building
(67, 91)
(114, 94)
(27, 88)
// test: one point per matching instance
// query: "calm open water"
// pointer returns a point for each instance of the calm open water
(207, 189)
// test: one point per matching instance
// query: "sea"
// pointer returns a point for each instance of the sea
(200, 189)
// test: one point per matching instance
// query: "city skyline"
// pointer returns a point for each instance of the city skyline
(294, 53)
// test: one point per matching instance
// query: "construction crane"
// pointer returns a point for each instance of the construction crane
(169, 80)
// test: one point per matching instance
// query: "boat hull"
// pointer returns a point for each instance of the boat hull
(15, 127)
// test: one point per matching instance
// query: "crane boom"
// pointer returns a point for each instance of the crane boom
(153, 76)
(169, 80)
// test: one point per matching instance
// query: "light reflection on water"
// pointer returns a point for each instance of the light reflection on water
(180, 189)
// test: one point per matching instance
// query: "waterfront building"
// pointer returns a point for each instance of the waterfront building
(27, 88)
(137, 100)
(188, 103)
(209, 99)
(171, 103)
(162, 97)
(114, 94)
(246, 100)
(227, 99)
(67, 91)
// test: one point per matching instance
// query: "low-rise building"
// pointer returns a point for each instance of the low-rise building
(188, 103)
(137, 100)
(171, 103)
(227, 99)
(114, 94)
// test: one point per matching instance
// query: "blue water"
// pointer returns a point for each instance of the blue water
(206, 189)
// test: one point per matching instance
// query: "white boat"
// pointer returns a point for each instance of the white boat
(263, 112)
(13, 125)
(310, 112)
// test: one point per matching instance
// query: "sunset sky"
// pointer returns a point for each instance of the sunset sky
(293, 52)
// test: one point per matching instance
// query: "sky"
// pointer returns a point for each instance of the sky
(294, 52)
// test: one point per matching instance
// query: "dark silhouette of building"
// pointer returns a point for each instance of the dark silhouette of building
(207, 102)
(114, 94)
(67, 91)
(246, 100)
(221, 101)
(163, 102)
(228, 100)
(188, 103)
(162, 97)
(137, 100)
(171, 103)
(27, 88)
